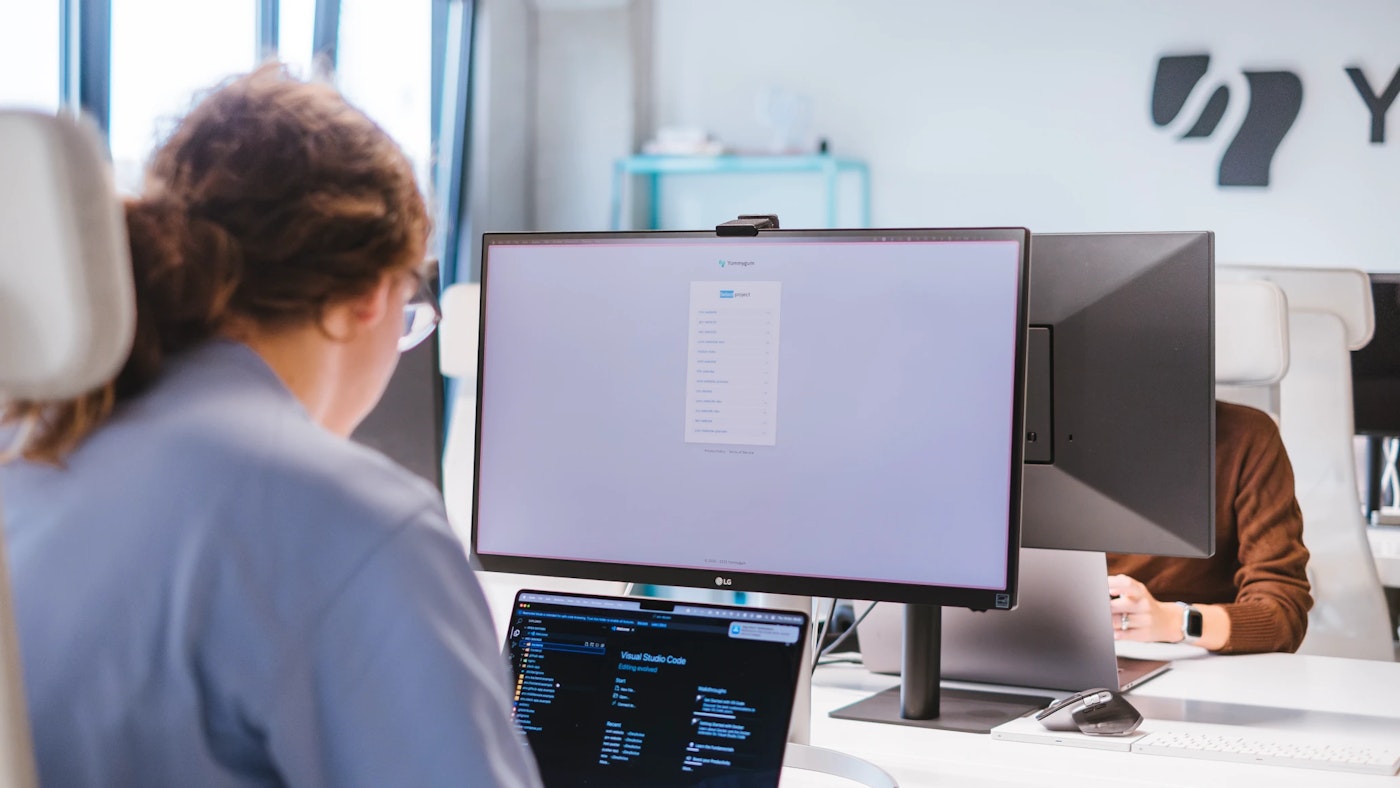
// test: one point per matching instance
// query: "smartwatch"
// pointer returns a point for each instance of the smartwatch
(1192, 623)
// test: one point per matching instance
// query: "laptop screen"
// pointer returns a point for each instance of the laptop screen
(628, 691)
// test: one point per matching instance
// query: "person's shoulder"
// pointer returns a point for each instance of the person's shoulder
(231, 409)
(352, 480)
(1232, 419)
(1246, 435)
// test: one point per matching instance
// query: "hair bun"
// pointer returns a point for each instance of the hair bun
(185, 269)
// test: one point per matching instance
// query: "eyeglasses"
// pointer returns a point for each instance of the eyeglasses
(420, 315)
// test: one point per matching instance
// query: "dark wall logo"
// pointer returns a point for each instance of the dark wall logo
(1376, 104)
(1275, 98)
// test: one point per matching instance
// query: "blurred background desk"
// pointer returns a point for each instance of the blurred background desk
(1385, 549)
(652, 167)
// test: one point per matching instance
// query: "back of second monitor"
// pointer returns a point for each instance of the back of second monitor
(1120, 398)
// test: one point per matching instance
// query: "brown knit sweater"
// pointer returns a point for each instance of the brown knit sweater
(1257, 572)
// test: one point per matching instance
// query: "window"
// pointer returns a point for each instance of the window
(30, 56)
(296, 28)
(385, 60)
(163, 53)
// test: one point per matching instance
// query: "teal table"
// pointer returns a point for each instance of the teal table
(829, 168)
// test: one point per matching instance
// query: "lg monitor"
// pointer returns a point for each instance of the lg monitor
(1120, 400)
(826, 413)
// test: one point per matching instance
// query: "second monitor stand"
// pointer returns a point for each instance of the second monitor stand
(920, 701)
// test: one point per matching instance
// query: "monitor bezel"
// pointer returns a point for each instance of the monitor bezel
(805, 585)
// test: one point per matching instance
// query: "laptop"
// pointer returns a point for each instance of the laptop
(1059, 637)
(624, 691)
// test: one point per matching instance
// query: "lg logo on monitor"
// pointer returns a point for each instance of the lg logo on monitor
(1274, 102)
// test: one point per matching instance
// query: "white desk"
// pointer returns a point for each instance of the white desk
(919, 757)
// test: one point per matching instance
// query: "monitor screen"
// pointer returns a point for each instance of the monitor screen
(831, 413)
(1120, 398)
(1375, 368)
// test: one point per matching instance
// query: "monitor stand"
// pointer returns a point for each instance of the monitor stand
(921, 702)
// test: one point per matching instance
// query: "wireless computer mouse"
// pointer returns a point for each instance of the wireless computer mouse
(1099, 711)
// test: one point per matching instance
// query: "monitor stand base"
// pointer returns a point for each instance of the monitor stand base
(963, 710)
(838, 764)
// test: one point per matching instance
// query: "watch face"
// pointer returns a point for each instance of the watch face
(1194, 623)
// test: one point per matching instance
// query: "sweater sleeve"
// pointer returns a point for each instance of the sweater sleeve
(1270, 611)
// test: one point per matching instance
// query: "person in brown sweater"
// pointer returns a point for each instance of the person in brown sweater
(1253, 594)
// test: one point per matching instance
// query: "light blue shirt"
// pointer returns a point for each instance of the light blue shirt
(218, 592)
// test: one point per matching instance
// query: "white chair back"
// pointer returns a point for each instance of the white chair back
(1251, 343)
(67, 315)
(1329, 315)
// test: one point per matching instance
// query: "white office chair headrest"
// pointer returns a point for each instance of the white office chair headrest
(1251, 333)
(67, 307)
(1344, 292)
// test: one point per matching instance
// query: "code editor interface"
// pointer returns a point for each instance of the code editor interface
(609, 692)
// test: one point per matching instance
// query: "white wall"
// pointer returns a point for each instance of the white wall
(562, 90)
(500, 190)
(1034, 113)
(584, 109)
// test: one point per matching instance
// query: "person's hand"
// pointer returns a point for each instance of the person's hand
(1137, 615)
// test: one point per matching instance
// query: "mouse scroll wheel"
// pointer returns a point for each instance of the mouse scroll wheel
(1094, 700)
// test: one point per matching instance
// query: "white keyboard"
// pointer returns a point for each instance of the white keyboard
(1275, 748)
